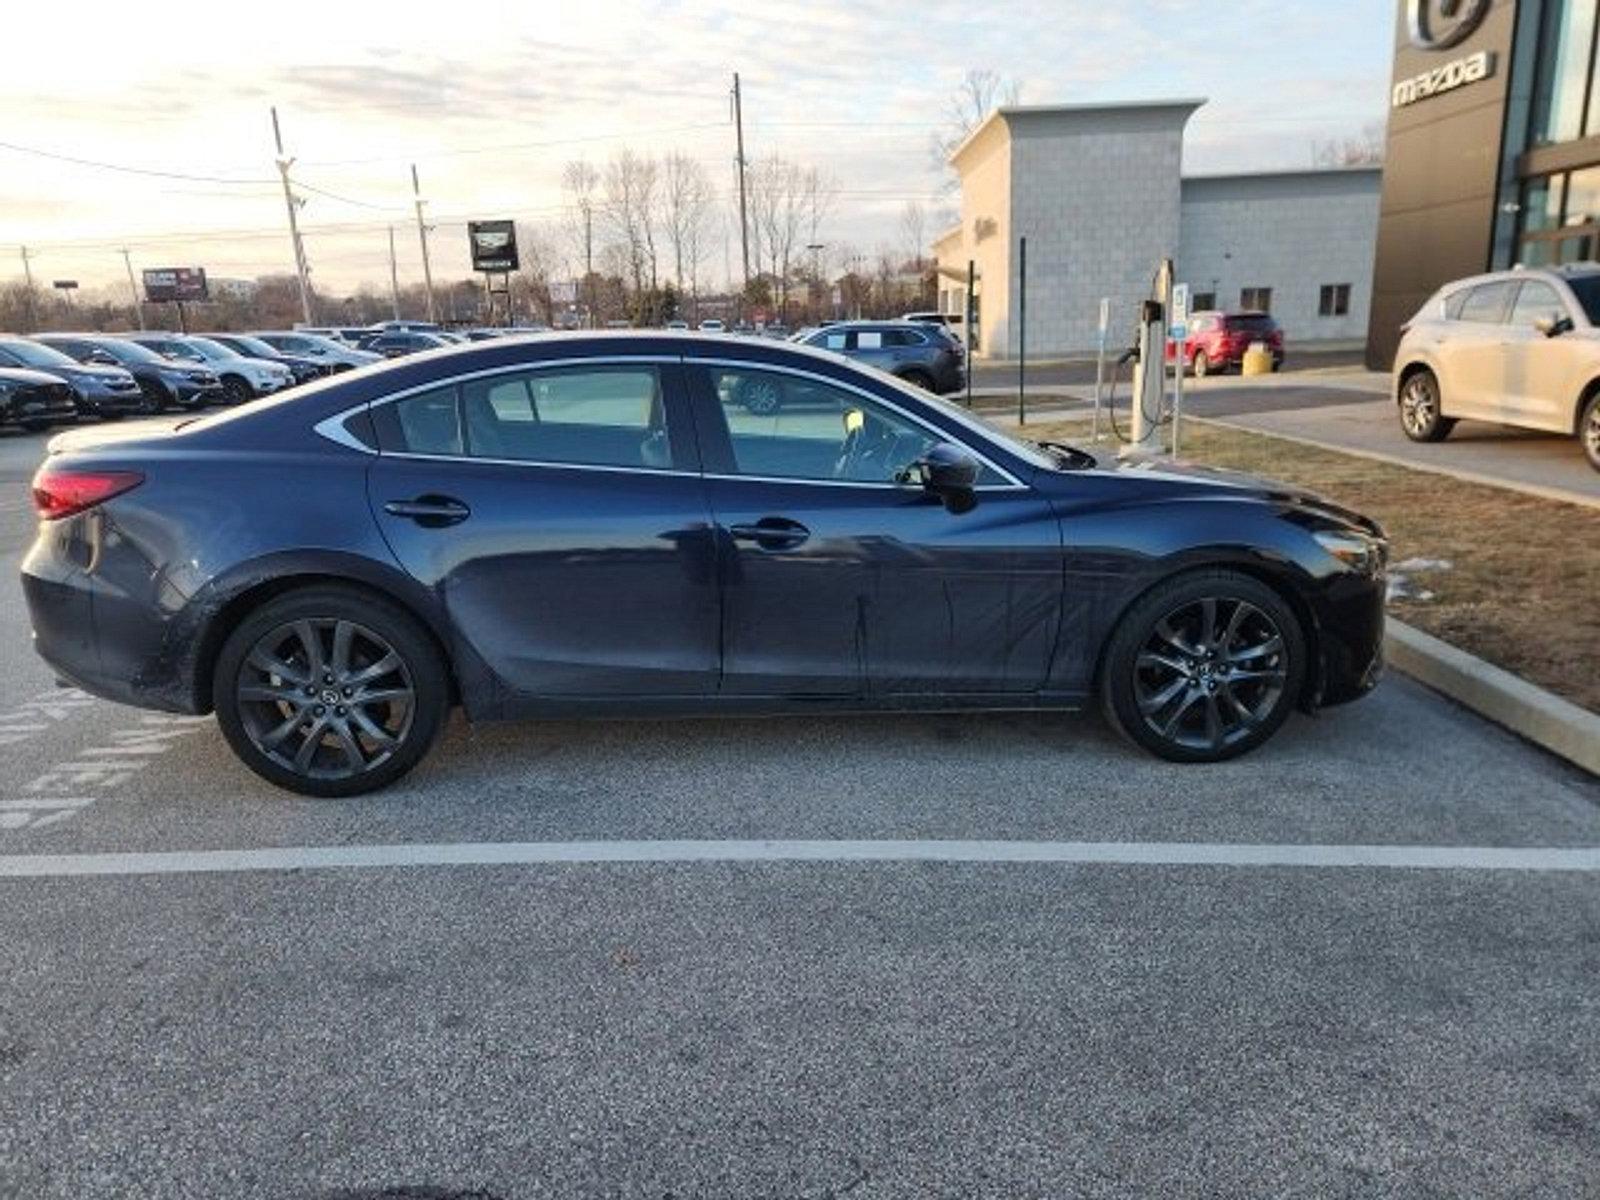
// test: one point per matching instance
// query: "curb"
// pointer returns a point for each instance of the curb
(1559, 495)
(1541, 717)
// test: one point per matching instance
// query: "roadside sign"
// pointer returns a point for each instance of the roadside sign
(1105, 315)
(1177, 331)
(494, 245)
(175, 283)
(1180, 303)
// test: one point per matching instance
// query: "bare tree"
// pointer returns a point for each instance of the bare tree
(980, 92)
(787, 202)
(914, 225)
(581, 182)
(1364, 149)
(629, 211)
(686, 199)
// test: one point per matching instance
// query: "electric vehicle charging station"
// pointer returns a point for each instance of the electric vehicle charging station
(1149, 370)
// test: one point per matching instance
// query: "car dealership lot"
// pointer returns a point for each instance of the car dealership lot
(807, 1028)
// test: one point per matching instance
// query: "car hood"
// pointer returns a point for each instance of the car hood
(93, 370)
(1170, 479)
(26, 375)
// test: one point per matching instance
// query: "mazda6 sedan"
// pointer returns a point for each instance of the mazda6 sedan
(595, 524)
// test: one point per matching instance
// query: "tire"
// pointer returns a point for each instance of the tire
(919, 379)
(1187, 697)
(1589, 431)
(268, 717)
(1202, 364)
(762, 396)
(1421, 419)
(236, 390)
(155, 401)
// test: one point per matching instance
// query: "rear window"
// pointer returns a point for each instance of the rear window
(1486, 303)
(1251, 323)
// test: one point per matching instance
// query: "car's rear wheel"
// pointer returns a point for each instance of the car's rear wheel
(1589, 431)
(1420, 417)
(329, 691)
(1205, 667)
(761, 396)
(919, 379)
(1202, 364)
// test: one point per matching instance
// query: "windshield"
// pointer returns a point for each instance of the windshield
(36, 355)
(250, 345)
(1028, 451)
(210, 349)
(1587, 289)
(128, 351)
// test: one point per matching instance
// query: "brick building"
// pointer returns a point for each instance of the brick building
(1098, 191)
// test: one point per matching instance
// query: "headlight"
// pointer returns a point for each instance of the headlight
(1363, 554)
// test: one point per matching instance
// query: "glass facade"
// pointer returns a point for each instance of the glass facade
(1566, 105)
(1557, 215)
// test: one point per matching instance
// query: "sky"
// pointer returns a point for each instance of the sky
(489, 100)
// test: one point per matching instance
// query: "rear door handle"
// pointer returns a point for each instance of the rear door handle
(433, 512)
(771, 533)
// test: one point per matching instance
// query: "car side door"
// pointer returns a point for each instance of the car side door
(558, 512)
(1543, 372)
(1472, 354)
(838, 579)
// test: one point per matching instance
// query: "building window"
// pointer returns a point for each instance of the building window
(1560, 219)
(1203, 302)
(1335, 300)
(1567, 66)
(1255, 299)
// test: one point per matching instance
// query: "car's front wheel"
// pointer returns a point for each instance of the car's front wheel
(1206, 666)
(236, 390)
(329, 691)
(1420, 415)
(1589, 431)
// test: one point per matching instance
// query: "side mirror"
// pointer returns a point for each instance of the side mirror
(949, 472)
(1553, 326)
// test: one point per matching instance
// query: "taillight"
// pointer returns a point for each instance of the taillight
(61, 492)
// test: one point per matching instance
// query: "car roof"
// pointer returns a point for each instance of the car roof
(1566, 271)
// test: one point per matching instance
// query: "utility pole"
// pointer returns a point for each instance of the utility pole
(394, 276)
(138, 309)
(284, 163)
(422, 236)
(588, 260)
(744, 220)
(27, 271)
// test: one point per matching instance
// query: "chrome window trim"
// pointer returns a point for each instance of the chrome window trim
(943, 434)
(332, 428)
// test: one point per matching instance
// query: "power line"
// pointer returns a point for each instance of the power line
(127, 170)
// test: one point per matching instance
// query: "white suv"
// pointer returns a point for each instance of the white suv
(1516, 347)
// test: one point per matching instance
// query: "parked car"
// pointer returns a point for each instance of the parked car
(1217, 341)
(400, 342)
(349, 334)
(951, 321)
(677, 324)
(98, 391)
(1517, 347)
(927, 355)
(34, 399)
(713, 325)
(164, 382)
(591, 523)
(336, 356)
(303, 370)
(242, 378)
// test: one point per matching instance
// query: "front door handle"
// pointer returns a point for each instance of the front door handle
(432, 512)
(771, 533)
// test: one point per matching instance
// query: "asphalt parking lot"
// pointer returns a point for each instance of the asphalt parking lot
(998, 955)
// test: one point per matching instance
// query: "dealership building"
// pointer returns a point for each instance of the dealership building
(1493, 151)
(1099, 194)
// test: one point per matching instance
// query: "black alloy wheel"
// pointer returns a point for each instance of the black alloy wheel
(1589, 431)
(762, 396)
(1205, 667)
(235, 390)
(330, 692)
(1420, 417)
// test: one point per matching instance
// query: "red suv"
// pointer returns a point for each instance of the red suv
(1217, 341)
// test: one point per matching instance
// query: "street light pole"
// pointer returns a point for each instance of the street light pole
(284, 163)
(394, 277)
(422, 236)
(138, 309)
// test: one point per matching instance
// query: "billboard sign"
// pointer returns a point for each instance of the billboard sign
(175, 283)
(494, 245)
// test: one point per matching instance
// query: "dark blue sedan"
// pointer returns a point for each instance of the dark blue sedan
(596, 524)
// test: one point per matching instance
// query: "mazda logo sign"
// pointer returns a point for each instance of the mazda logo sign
(1440, 24)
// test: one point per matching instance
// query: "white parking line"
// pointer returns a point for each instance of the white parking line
(472, 854)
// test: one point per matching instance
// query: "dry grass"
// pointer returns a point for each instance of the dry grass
(1523, 590)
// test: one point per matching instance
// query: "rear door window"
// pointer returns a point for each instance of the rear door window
(1486, 303)
(1534, 301)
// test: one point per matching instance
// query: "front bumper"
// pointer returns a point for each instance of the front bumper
(42, 405)
(100, 401)
(190, 394)
(1350, 638)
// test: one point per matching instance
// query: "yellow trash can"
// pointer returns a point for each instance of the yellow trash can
(1257, 360)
